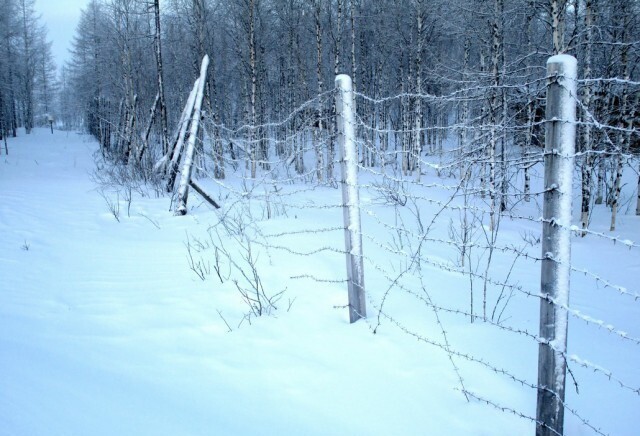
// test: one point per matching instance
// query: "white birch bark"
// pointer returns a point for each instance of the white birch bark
(626, 119)
(558, 8)
(187, 169)
(587, 166)
(169, 162)
(159, 68)
(417, 138)
(252, 103)
(147, 132)
(318, 129)
(493, 114)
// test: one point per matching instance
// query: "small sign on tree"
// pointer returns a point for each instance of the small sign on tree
(50, 121)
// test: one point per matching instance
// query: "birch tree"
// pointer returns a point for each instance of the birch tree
(162, 106)
(587, 146)
(625, 120)
(317, 21)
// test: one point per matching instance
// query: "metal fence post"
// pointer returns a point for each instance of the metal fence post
(345, 105)
(556, 242)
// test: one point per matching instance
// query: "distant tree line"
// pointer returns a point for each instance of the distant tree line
(28, 83)
(134, 60)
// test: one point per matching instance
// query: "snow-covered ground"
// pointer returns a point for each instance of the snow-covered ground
(105, 330)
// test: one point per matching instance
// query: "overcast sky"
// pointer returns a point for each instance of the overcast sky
(61, 18)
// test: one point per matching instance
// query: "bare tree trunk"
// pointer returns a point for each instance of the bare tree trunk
(163, 106)
(147, 133)
(558, 9)
(361, 149)
(254, 79)
(183, 189)
(352, 19)
(478, 134)
(176, 152)
(129, 135)
(463, 117)
(417, 144)
(123, 19)
(301, 80)
(504, 169)
(122, 122)
(587, 165)
(530, 108)
(338, 38)
(199, 13)
(493, 108)
(626, 118)
(406, 124)
(319, 127)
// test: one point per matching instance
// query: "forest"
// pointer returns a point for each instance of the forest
(431, 71)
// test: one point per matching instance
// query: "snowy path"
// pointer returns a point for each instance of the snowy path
(85, 302)
(66, 285)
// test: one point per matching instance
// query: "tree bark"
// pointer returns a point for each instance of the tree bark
(319, 127)
(587, 165)
(626, 119)
(187, 169)
(183, 126)
(254, 89)
(161, 102)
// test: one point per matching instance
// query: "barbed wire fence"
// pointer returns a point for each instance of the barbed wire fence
(451, 226)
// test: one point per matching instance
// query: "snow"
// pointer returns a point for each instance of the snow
(105, 330)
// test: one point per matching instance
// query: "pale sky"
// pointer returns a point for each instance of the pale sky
(61, 18)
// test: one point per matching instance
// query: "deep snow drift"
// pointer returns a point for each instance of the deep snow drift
(105, 330)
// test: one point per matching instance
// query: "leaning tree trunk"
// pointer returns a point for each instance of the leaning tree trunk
(187, 169)
(174, 155)
(147, 133)
(130, 131)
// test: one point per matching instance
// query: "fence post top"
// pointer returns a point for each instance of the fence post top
(569, 63)
(343, 81)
